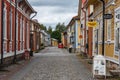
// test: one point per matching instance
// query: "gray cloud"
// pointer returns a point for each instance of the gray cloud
(50, 12)
(67, 3)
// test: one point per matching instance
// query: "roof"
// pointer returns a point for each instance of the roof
(72, 20)
(28, 4)
(54, 39)
(42, 31)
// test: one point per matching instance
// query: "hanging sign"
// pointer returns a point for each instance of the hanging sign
(80, 36)
(92, 24)
(108, 16)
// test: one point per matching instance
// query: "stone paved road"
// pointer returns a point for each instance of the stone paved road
(54, 64)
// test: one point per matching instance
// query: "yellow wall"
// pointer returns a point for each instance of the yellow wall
(54, 43)
(109, 48)
(62, 37)
(78, 23)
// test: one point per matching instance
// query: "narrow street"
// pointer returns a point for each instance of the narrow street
(54, 64)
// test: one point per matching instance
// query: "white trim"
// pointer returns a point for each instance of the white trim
(112, 60)
(11, 54)
(11, 23)
(109, 25)
(17, 20)
(107, 42)
(100, 9)
(28, 34)
(5, 22)
(20, 10)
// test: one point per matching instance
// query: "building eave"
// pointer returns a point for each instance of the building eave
(30, 7)
(73, 20)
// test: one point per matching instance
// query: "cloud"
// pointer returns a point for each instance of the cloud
(51, 12)
(62, 3)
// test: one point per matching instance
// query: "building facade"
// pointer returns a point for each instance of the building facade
(73, 31)
(64, 39)
(35, 35)
(112, 39)
(15, 31)
(45, 38)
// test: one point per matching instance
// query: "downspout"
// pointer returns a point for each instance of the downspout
(33, 15)
(31, 52)
(2, 45)
(85, 51)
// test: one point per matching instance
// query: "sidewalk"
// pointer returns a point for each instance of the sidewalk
(7, 72)
(88, 64)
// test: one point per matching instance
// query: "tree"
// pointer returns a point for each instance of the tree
(56, 35)
(50, 30)
(42, 27)
(60, 27)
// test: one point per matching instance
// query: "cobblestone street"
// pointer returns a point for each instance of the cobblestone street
(54, 64)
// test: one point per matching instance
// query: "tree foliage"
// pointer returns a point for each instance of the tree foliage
(60, 27)
(42, 27)
(49, 30)
(56, 35)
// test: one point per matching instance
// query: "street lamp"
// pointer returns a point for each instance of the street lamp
(103, 20)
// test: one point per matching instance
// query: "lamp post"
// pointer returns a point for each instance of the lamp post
(103, 20)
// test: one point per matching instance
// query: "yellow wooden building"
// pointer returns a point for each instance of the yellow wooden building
(112, 32)
(54, 42)
(73, 33)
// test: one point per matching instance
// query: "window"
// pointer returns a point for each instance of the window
(11, 15)
(27, 35)
(109, 28)
(5, 22)
(21, 34)
(96, 41)
(21, 29)
(101, 29)
(117, 30)
(117, 37)
(17, 27)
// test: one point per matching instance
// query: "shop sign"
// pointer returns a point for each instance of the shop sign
(108, 16)
(92, 24)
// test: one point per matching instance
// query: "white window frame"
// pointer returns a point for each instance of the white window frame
(109, 28)
(17, 27)
(27, 36)
(11, 22)
(21, 28)
(101, 29)
(23, 33)
(5, 22)
(116, 26)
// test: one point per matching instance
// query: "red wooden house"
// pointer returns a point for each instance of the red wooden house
(18, 33)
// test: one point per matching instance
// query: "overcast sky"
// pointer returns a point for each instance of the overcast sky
(50, 12)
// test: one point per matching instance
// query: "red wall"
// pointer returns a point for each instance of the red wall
(27, 28)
